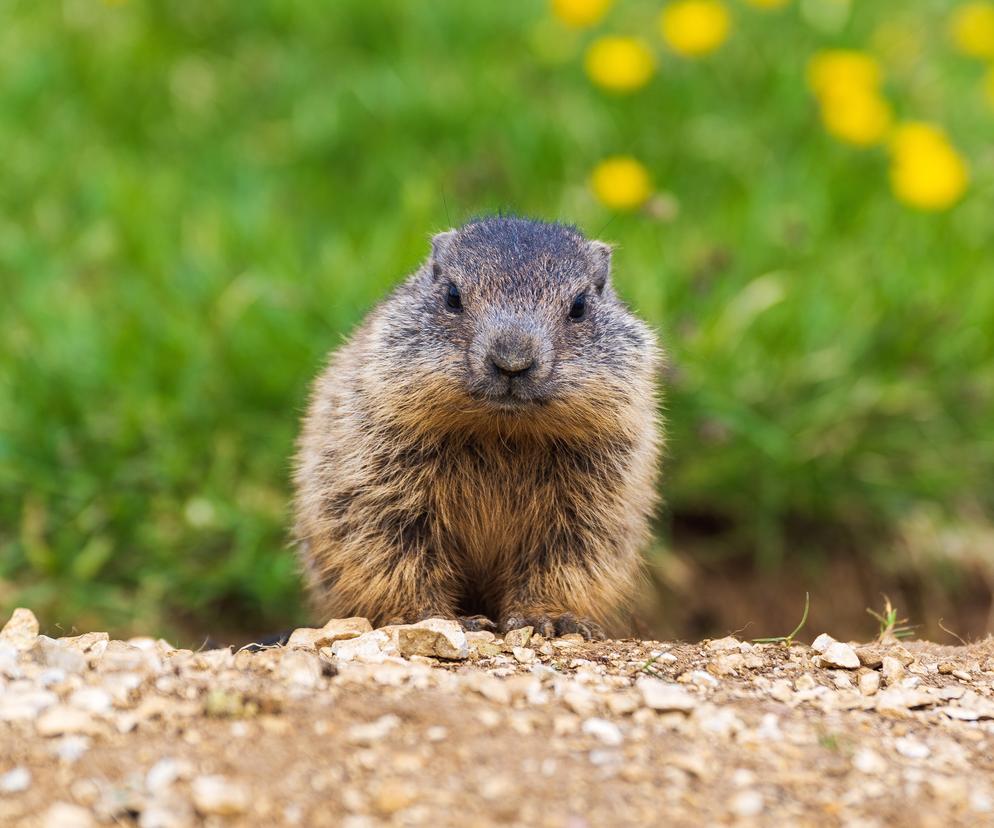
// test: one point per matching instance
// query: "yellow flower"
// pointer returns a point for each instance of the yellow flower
(580, 14)
(768, 4)
(620, 64)
(838, 70)
(859, 116)
(621, 183)
(694, 27)
(926, 170)
(972, 29)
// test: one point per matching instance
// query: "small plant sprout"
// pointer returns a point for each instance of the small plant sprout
(892, 628)
(787, 640)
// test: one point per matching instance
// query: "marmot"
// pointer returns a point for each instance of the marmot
(485, 445)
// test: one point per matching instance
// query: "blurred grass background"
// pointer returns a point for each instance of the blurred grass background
(200, 199)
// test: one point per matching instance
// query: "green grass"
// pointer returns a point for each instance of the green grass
(200, 199)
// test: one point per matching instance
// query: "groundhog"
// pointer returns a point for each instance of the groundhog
(485, 446)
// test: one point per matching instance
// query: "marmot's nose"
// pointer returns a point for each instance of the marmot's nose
(515, 366)
(513, 355)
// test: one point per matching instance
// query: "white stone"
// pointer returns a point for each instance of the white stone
(219, 795)
(373, 646)
(911, 748)
(372, 732)
(838, 654)
(63, 719)
(15, 781)
(523, 655)
(607, 732)
(165, 772)
(21, 630)
(64, 815)
(91, 699)
(70, 749)
(665, 697)
(746, 804)
(822, 643)
(301, 667)
(869, 762)
(53, 653)
(869, 683)
(25, 704)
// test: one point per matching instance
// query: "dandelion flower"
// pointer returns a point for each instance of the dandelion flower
(841, 69)
(926, 170)
(694, 27)
(621, 64)
(972, 29)
(858, 116)
(580, 14)
(621, 183)
(768, 4)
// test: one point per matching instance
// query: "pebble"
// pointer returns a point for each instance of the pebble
(52, 653)
(838, 654)
(661, 696)
(746, 804)
(219, 795)
(869, 762)
(91, 699)
(607, 732)
(822, 643)
(301, 668)
(869, 683)
(15, 781)
(434, 637)
(338, 629)
(62, 719)
(519, 637)
(21, 630)
(892, 668)
(370, 647)
(372, 732)
(911, 748)
(25, 704)
(523, 655)
(65, 815)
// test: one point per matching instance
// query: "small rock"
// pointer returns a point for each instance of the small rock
(579, 699)
(621, 704)
(822, 643)
(747, 804)
(91, 699)
(727, 665)
(433, 637)
(897, 701)
(489, 687)
(372, 646)
(698, 678)
(372, 732)
(338, 629)
(52, 653)
(15, 781)
(893, 669)
(70, 749)
(607, 732)
(724, 645)
(63, 719)
(838, 654)
(21, 630)
(869, 762)
(300, 667)
(519, 637)
(946, 667)
(64, 815)
(393, 795)
(219, 795)
(869, 657)
(27, 704)
(661, 696)
(869, 683)
(911, 748)
(164, 773)
(523, 655)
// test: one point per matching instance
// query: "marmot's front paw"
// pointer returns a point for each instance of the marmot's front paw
(477, 623)
(551, 626)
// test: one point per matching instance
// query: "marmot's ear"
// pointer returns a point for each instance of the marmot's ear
(440, 242)
(600, 261)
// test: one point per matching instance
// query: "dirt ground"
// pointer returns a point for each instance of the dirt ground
(425, 725)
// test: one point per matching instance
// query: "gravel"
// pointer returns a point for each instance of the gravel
(426, 725)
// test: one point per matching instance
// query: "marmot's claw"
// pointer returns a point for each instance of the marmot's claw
(542, 624)
(477, 623)
(568, 623)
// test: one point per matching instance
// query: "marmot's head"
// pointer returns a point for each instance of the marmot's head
(515, 322)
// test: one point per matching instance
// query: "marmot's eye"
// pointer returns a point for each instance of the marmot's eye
(578, 310)
(453, 301)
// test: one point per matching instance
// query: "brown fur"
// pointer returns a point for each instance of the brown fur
(418, 495)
